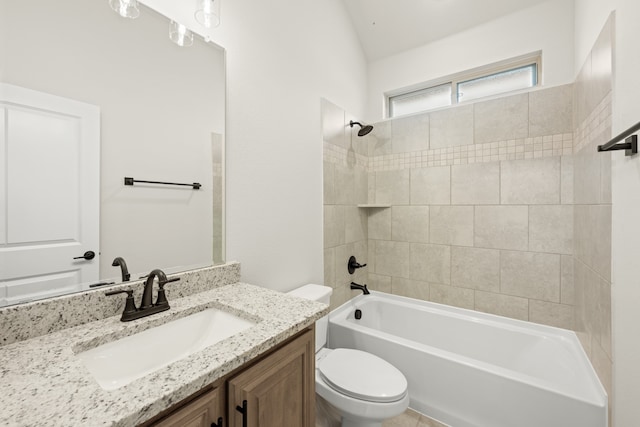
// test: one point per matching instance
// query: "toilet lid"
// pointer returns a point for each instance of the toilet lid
(362, 375)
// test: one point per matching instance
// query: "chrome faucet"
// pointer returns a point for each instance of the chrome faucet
(119, 261)
(146, 306)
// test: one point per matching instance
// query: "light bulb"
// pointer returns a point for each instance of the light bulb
(208, 13)
(180, 35)
(125, 8)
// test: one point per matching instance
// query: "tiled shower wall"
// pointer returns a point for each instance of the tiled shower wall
(502, 206)
(592, 209)
(345, 186)
(481, 213)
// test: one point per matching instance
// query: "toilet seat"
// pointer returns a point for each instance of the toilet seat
(362, 375)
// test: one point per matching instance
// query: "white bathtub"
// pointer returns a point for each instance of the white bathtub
(470, 369)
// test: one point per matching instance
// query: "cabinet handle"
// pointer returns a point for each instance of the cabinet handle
(218, 424)
(243, 410)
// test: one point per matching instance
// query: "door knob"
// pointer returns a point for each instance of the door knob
(87, 255)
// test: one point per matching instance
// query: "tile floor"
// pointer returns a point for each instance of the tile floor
(412, 419)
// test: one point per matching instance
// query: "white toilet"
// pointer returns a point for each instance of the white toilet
(365, 389)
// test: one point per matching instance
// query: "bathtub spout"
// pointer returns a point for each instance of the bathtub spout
(363, 288)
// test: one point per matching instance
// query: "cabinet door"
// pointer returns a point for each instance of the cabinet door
(279, 390)
(202, 412)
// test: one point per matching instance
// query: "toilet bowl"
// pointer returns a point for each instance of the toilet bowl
(363, 388)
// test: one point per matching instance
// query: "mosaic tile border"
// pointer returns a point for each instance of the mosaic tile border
(512, 149)
(597, 122)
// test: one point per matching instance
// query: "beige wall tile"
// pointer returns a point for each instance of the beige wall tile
(344, 185)
(451, 225)
(333, 226)
(328, 184)
(430, 263)
(552, 314)
(410, 223)
(580, 106)
(551, 229)
(475, 268)
(605, 173)
(341, 294)
(587, 170)
(531, 181)
(600, 83)
(333, 128)
(431, 186)
(342, 254)
(502, 227)
(475, 184)
(567, 293)
(566, 180)
(377, 283)
(604, 312)
(451, 127)
(329, 267)
(379, 139)
(392, 258)
(379, 225)
(355, 143)
(502, 305)
(361, 187)
(530, 275)
(410, 133)
(355, 224)
(371, 185)
(451, 295)
(592, 236)
(551, 111)
(371, 258)
(392, 187)
(410, 288)
(501, 119)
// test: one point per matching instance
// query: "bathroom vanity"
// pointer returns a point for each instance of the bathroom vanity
(275, 390)
(265, 370)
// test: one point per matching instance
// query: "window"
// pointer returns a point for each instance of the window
(420, 100)
(518, 73)
(493, 84)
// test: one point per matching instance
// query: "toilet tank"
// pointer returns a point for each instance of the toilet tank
(321, 294)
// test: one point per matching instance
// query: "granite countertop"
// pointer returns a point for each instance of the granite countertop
(45, 383)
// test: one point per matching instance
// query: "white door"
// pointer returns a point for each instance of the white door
(49, 194)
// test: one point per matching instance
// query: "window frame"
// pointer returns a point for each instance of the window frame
(534, 58)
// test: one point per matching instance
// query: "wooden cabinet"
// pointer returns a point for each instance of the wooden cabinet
(273, 391)
(277, 391)
(204, 411)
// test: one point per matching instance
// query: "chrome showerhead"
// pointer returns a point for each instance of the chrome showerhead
(364, 129)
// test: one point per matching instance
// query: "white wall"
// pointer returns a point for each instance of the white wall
(282, 56)
(625, 297)
(547, 27)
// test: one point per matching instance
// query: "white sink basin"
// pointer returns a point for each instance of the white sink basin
(118, 363)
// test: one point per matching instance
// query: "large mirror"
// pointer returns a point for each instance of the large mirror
(88, 98)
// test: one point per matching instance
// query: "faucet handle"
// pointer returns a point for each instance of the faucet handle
(162, 297)
(130, 304)
(353, 265)
(161, 283)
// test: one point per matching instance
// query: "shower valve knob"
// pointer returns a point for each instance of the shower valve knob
(352, 265)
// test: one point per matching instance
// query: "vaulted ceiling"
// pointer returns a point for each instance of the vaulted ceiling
(387, 27)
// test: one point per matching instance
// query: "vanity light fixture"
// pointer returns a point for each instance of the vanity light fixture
(208, 13)
(126, 8)
(180, 35)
